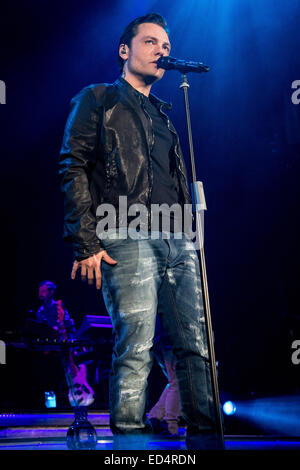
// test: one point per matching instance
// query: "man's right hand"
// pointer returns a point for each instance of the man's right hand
(91, 267)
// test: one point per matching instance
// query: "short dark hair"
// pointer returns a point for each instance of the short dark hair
(132, 28)
(49, 284)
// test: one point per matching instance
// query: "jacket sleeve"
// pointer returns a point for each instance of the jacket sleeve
(77, 159)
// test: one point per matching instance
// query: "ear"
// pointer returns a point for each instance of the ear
(123, 51)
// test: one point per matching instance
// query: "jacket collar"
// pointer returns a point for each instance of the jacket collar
(153, 98)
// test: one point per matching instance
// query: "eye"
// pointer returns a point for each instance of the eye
(149, 41)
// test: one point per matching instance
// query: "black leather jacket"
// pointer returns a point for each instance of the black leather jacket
(106, 153)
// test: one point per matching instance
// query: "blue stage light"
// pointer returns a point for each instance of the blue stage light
(229, 408)
(274, 415)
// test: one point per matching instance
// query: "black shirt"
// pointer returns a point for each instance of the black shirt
(165, 188)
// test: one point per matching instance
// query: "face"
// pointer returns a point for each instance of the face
(45, 293)
(150, 43)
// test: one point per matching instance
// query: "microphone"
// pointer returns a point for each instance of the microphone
(184, 66)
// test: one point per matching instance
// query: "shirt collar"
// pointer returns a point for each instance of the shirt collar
(153, 98)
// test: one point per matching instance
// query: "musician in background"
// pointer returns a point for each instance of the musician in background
(47, 313)
(50, 363)
(54, 314)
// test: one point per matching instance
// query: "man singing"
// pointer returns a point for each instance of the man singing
(118, 142)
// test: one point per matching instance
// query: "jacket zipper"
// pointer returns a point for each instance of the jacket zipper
(150, 148)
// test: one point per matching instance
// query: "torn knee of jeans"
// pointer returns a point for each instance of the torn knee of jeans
(130, 394)
(127, 312)
(139, 348)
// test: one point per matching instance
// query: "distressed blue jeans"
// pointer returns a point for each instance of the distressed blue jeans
(156, 275)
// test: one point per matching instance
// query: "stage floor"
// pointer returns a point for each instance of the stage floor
(47, 431)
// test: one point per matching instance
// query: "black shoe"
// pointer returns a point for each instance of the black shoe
(181, 422)
(156, 425)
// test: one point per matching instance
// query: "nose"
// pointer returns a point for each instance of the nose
(160, 50)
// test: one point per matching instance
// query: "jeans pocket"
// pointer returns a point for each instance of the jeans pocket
(110, 244)
(113, 238)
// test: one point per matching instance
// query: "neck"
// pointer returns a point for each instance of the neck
(137, 82)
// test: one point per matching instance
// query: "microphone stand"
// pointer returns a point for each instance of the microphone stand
(199, 207)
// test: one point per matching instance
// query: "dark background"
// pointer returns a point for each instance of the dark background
(246, 134)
